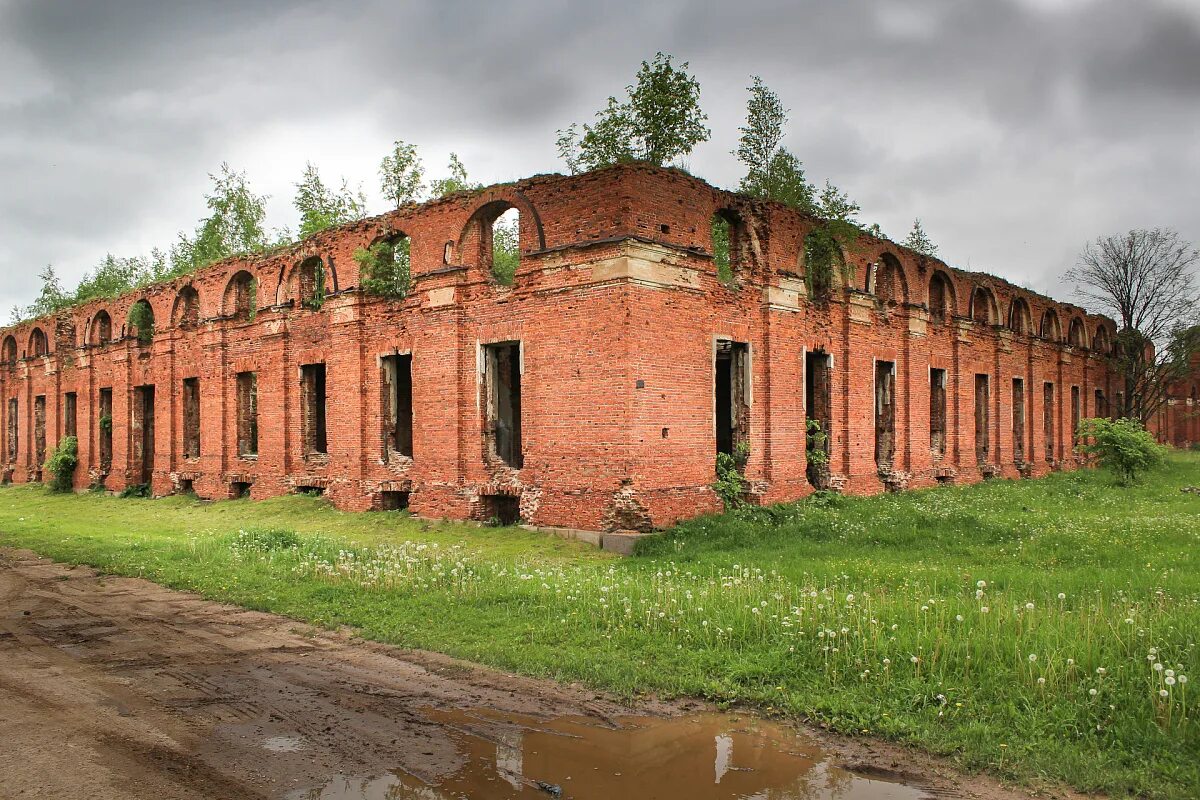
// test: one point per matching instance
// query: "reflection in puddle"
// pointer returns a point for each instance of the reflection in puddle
(723, 757)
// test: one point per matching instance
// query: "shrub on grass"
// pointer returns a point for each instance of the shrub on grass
(62, 463)
(1123, 446)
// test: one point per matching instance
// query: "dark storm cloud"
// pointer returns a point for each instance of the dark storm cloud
(1016, 129)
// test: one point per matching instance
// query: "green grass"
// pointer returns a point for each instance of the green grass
(816, 609)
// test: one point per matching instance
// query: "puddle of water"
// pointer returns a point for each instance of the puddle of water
(717, 756)
(283, 744)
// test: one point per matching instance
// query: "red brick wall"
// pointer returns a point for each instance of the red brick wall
(618, 378)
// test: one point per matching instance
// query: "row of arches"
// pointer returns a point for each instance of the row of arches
(823, 264)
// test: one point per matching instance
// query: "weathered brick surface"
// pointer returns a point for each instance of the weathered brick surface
(618, 309)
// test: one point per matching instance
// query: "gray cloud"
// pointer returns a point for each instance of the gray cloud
(1016, 129)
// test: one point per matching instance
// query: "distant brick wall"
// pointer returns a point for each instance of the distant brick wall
(620, 319)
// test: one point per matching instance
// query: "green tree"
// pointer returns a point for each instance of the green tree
(457, 181)
(111, 277)
(385, 268)
(506, 253)
(401, 174)
(1123, 446)
(836, 206)
(234, 225)
(51, 298)
(919, 242)
(321, 207)
(771, 171)
(659, 121)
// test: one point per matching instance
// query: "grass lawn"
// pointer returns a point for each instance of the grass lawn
(1041, 630)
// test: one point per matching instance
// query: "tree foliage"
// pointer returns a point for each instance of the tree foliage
(321, 207)
(456, 181)
(401, 174)
(772, 172)
(234, 226)
(62, 464)
(506, 252)
(659, 121)
(919, 242)
(1146, 280)
(1123, 446)
(386, 268)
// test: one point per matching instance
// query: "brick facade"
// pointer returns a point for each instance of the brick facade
(583, 396)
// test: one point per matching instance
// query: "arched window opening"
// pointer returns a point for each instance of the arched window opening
(187, 308)
(1019, 320)
(941, 299)
(100, 332)
(506, 246)
(141, 320)
(9, 351)
(1103, 342)
(385, 268)
(890, 286)
(38, 344)
(1050, 327)
(983, 306)
(1077, 336)
(824, 264)
(310, 283)
(725, 227)
(241, 297)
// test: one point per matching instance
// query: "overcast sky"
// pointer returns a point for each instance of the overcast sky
(1016, 129)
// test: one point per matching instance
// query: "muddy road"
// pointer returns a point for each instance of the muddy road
(118, 688)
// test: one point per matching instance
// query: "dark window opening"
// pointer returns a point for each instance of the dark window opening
(105, 424)
(187, 486)
(501, 509)
(241, 298)
(1076, 414)
(982, 419)
(9, 354)
(885, 413)
(1018, 420)
(310, 283)
(393, 501)
(939, 299)
(732, 397)
(313, 399)
(38, 344)
(100, 332)
(247, 414)
(191, 418)
(1102, 403)
(70, 414)
(397, 403)
(309, 490)
(240, 490)
(12, 431)
(143, 431)
(1119, 411)
(937, 413)
(818, 412)
(503, 402)
(39, 431)
(187, 314)
(1048, 418)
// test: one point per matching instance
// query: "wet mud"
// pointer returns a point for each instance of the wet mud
(119, 688)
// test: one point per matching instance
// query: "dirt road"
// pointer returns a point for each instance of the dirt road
(118, 688)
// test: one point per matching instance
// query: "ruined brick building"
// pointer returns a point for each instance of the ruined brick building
(593, 393)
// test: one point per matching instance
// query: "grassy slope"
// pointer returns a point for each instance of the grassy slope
(823, 614)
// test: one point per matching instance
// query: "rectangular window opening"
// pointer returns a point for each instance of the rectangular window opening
(937, 413)
(1048, 418)
(105, 425)
(12, 431)
(1018, 420)
(503, 402)
(239, 490)
(818, 413)
(1101, 404)
(501, 509)
(732, 401)
(143, 430)
(393, 501)
(71, 414)
(191, 418)
(398, 408)
(247, 414)
(313, 409)
(1076, 413)
(39, 431)
(982, 419)
(885, 413)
